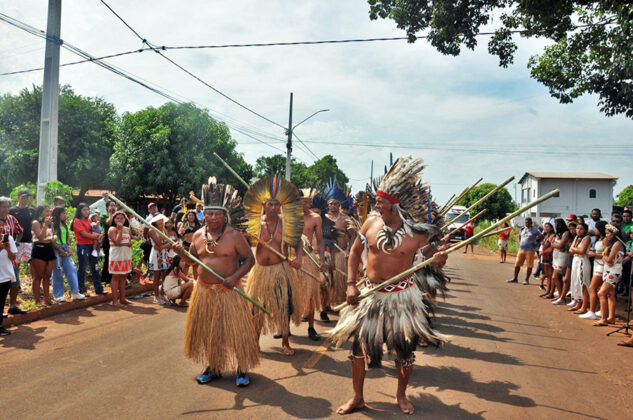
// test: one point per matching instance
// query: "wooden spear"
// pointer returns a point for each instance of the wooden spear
(454, 248)
(448, 235)
(450, 200)
(481, 200)
(203, 265)
(495, 232)
(448, 205)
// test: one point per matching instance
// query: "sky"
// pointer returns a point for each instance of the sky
(465, 116)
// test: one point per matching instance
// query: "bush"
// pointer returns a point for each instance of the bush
(51, 190)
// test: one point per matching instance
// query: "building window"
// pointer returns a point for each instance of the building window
(592, 193)
(526, 195)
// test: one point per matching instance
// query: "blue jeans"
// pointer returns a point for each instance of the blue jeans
(84, 258)
(66, 265)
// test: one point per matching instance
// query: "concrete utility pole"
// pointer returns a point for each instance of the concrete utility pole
(47, 162)
(289, 143)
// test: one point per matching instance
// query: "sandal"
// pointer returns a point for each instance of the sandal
(600, 323)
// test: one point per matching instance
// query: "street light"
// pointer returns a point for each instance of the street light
(289, 131)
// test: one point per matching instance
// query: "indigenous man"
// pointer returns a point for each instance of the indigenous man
(395, 315)
(219, 330)
(338, 258)
(312, 234)
(275, 218)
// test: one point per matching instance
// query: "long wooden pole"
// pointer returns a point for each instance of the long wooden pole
(450, 200)
(496, 232)
(454, 248)
(448, 205)
(481, 200)
(203, 265)
(466, 222)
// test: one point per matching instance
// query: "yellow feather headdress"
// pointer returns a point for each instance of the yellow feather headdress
(275, 188)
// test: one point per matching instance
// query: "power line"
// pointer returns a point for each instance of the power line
(89, 58)
(306, 146)
(157, 50)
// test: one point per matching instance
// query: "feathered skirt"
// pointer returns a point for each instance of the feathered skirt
(278, 289)
(396, 316)
(219, 331)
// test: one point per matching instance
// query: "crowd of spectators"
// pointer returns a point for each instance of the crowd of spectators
(583, 262)
(103, 234)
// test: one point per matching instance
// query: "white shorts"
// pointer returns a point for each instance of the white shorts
(24, 251)
(503, 245)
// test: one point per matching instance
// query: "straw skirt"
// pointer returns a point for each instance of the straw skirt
(219, 331)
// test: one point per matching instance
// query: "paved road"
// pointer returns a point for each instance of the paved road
(512, 355)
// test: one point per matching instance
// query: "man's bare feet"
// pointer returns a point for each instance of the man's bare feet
(405, 406)
(288, 351)
(126, 302)
(117, 305)
(351, 405)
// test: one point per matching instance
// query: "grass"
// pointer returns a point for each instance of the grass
(491, 241)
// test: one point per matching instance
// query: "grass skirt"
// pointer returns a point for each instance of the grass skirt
(309, 286)
(278, 289)
(219, 331)
(399, 319)
(338, 288)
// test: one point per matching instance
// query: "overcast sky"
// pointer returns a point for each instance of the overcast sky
(465, 116)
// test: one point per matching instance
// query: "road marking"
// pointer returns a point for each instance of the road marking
(317, 355)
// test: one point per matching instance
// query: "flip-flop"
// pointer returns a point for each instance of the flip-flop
(600, 324)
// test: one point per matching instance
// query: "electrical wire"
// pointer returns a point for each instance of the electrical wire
(157, 50)
(306, 146)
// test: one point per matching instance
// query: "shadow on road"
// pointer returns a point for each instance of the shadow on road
(268, 393)
(453, 350)
(72, 317)
(458, 380)
(23, 337)
(425, 405)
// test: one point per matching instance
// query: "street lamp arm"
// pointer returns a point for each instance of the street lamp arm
(321, 110)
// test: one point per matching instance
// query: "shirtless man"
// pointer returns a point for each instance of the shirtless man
(271, 274)
(389, 253)
(313, 233)
(338, 262)
(213, 302)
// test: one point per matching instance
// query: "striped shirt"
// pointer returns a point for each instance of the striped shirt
(12, 227)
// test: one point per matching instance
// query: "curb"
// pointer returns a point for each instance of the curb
(60, 308)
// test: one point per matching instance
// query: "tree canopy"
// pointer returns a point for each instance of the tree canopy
(591, 50)
(625, 198)
(498, 205)
(87, 128)
(168, 151)
(302, 175)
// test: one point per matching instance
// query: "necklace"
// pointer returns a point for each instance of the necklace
(211, 242)
(271, 236)
(387, 240)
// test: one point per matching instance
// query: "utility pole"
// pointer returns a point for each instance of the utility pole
(289, 143)
(47, 161)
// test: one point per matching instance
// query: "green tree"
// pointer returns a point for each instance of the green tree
(325, 169)
(168, 151)
(625, 198)
(87, 128)
(498, 205)
(299, 172)
(591, 49)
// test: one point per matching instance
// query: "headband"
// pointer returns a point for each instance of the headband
(386, 196)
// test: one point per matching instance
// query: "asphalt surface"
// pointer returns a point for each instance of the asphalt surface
(511, 355)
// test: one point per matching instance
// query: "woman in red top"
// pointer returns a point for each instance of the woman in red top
(503, 242)
(84, 239)
(547, 255)
(468, 232)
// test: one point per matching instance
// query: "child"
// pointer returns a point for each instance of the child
(95, 227)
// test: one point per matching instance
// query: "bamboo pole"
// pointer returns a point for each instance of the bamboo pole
(459, 197)
(465, 223)
(280, 255)
(450, 200)
(454, 248)
(203, 265)
(481, 200)
(496, 232)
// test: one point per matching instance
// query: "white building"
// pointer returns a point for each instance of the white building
(580, 192)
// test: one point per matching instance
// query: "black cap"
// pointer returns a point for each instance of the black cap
(23, 192)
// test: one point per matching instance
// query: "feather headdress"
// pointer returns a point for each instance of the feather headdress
(402, 186)
(348, 202)
(275, 188)
(224, 197)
